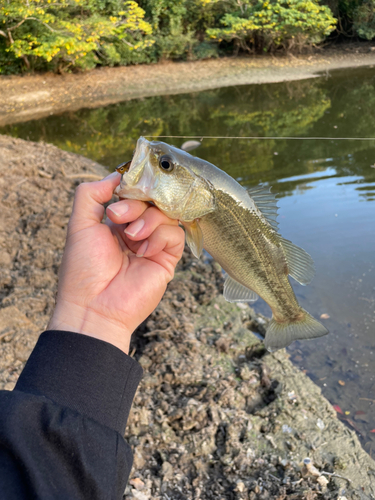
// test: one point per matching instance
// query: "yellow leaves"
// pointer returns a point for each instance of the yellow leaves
(59, 31)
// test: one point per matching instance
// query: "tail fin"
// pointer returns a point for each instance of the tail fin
(280, 335)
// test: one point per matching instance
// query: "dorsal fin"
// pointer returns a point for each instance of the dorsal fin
(266, 202)
(235, 292)
(300, 263)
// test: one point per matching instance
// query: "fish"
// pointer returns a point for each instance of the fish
(236, 226)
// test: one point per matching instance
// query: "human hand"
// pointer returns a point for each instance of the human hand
(109, 280)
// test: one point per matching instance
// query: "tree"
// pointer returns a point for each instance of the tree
(71, 33)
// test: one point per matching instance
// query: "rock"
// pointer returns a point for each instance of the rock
(138, 460)
(323, 481)
(167, 471)
(137, 483)
(140, 495)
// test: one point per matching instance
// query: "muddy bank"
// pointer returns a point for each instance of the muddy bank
(34, 96)
(215, 416)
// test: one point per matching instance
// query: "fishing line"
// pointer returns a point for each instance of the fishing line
(201, 137)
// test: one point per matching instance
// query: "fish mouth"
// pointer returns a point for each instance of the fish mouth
(138, 182)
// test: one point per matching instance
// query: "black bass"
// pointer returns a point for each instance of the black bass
(236, 226)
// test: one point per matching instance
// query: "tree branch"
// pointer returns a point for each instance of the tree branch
(31, 19)
(127, 43)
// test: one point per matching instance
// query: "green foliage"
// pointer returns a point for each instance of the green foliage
(205, 50)
(192, 29)
(364, 20)
(355, 17)
(71, 33)
(174, 35)
(269, 24)
(82, 34)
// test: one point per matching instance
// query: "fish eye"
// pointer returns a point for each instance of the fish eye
(123, 167)
(166, 163)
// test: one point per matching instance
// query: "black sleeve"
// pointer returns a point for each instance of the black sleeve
(61, 428)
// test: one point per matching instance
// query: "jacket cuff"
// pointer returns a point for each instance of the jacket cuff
(87, 375)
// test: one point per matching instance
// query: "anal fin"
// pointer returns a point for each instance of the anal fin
(235, 292)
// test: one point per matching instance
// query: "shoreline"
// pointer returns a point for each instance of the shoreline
(215, 415)
(30, 97)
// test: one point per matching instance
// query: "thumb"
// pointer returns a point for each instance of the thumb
(88, 207)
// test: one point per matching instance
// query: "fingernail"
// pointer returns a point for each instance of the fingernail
(112, 175)
(135, 227)
(119, 209)
(142, 249)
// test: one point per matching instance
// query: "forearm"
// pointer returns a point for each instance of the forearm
(61, 428)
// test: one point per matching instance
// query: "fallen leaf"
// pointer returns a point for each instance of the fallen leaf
(373, 430)
(341, 382)
(324, 316)
(338, 409)
(360, 412)
(347, 413)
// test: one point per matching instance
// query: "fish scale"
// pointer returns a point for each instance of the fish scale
(249, 257)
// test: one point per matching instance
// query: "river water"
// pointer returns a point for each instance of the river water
(326, 191)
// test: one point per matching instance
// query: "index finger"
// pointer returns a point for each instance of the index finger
(127, 210)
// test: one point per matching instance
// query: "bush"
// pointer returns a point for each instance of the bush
(355, 17)
(270, 24)
(364, 20)
(175, 36)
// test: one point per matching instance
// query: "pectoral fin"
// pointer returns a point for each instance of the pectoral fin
(235, 292)
(194, 237)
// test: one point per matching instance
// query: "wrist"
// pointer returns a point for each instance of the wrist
(74, 318)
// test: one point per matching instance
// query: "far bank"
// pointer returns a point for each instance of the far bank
(30, 97)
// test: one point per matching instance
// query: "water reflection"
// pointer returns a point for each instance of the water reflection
(326, 191)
